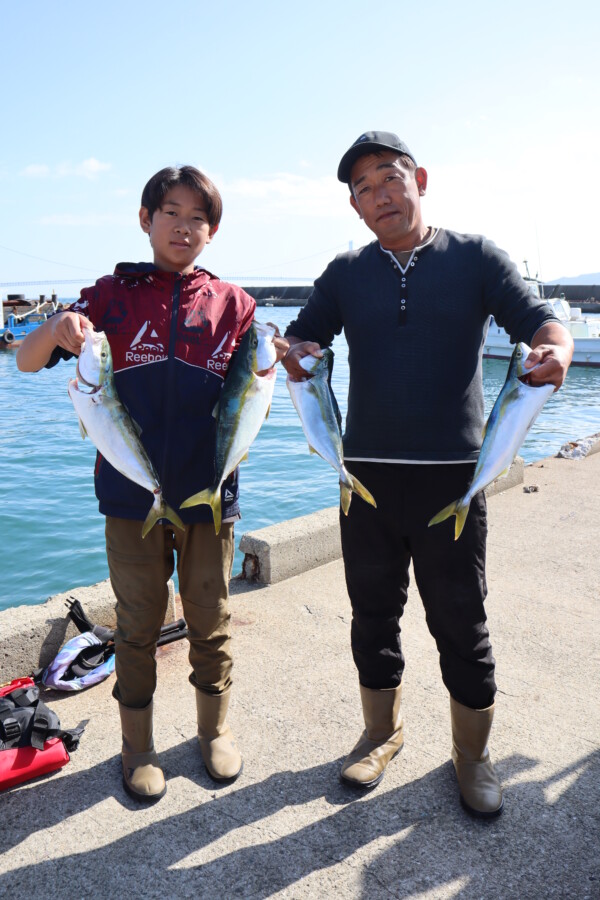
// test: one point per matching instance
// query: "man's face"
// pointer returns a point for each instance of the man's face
(388, 197)
(179, 230)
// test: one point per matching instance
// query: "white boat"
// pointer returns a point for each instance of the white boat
(585, 331)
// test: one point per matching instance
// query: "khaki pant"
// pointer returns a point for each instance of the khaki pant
(139, 572)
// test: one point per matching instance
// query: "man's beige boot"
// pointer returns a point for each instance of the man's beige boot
(217, 743)
(379, 742)
(480, 790)
(142, 776)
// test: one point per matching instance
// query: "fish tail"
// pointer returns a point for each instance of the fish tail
(160, 510)
(358, 488)
(459, 509)
(212, 498)
(170, 514)
(345, 497)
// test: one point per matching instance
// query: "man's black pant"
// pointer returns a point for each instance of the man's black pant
(378, 545)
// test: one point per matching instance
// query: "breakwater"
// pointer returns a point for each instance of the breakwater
(280, 295)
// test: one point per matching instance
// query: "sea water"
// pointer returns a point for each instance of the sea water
(52, 533)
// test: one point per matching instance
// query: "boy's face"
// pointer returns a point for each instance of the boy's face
(179, 230)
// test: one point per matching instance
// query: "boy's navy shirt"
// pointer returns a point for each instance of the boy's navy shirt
(171, 338)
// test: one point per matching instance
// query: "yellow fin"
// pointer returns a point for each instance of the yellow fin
(345, 497)
(358, 488)
(210, 496)
(458, 509)
(163, 511)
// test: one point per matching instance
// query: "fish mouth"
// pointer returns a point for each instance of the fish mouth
(81, 379)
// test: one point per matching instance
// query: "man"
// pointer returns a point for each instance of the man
(414, 305)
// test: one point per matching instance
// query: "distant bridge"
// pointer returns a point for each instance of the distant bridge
(236, 279)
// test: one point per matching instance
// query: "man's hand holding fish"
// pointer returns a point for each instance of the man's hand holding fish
(294, 356)
(552, 351)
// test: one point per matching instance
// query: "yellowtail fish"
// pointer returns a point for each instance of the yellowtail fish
(321, 420)
(242, 408)
(514, 412)
(104, 419)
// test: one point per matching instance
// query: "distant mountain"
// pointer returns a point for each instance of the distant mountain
(593, 278)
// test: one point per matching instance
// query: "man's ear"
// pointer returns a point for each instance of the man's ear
(355, 206)
(421, 179)
(212, 231)
(145, 220)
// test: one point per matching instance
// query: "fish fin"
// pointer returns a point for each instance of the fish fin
(170, 514)
(503, 473)
(358, 488)
(459, 509)
(312, 450)
(212, 498)
(158, 511)
(137, 429)
(215, 412)
(345, 497)
(244, 458)
(82, 430)
(268, 411)
(151, 520)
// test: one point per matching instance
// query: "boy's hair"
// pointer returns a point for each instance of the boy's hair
(157, 188)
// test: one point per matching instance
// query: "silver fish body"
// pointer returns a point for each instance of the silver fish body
(242, 408)
(516, 408)
(104, 419)
(320, 417)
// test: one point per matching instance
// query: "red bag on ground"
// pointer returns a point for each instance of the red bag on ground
(24, 763)
(14, 684)
(32, 742)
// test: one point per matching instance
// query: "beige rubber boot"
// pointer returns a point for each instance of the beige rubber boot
(217, 743)
(142, 776)
(480, 791)
(381, 740)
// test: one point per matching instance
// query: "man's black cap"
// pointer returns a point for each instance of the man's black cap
(370, 142)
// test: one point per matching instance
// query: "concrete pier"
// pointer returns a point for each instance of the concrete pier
(288, 828)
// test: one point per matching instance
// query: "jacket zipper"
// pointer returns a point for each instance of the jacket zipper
(175, 297)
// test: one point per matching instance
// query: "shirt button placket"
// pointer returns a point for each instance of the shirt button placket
(403, 292)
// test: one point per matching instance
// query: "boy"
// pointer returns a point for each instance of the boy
(172, 329)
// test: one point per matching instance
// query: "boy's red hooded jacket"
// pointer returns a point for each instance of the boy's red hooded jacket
(171, 338)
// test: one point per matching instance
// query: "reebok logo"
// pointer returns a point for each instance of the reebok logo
(228, 495)
(219, 358)
(145, 347)
(219, 351)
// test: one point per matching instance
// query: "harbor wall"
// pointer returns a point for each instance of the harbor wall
(280, 295)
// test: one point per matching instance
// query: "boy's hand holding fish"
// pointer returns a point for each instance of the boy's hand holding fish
(65, 329)
(69, 331)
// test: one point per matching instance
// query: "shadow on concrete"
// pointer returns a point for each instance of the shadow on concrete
(547, 837)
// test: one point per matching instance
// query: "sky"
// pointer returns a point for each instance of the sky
(498, 101)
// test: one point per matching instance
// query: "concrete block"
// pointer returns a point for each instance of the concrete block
(581, 448)
(281, 551)
(31, 636)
